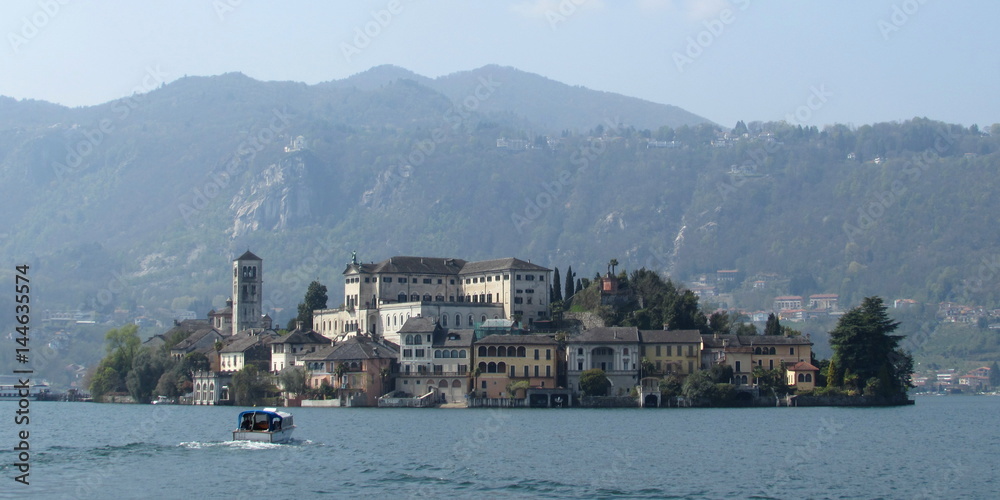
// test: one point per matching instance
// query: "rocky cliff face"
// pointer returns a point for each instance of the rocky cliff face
(279, 198)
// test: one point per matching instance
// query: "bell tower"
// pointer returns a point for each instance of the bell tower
(248, 284)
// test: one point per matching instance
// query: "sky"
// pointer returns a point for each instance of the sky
(854, 62)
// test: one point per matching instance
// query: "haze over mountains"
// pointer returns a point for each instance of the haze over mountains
(145, 200)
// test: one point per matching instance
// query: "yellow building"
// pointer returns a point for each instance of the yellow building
(671, 351)
(503, 359)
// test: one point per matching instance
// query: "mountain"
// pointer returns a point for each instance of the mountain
(140, 204)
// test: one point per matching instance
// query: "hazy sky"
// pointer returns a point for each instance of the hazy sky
(853, 61)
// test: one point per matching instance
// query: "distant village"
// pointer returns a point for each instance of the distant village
(428, 331)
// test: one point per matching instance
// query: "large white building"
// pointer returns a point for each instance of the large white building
(379, 297)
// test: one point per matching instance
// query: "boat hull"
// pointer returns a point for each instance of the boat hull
(282, 436)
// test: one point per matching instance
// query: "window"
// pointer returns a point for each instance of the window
(536, 353)
(548, 370)
(367, 279)
(387, 279)
(517, 277)
(657, 352)
(529, 277)
(525, 370)
(451, 281)
(536, 370)
(402, 280)
(440, 281)
(541, 277)
(427, 281)
(419, 353)
(489, 279)
(518, 300)
(548, 354)
(791, 350)
(770, 364)
(738, 367)
(506, 277)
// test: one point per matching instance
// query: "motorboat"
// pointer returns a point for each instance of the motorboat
(267, 425)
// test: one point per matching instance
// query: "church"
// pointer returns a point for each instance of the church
(380, 297)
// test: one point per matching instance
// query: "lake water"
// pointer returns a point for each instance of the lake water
(943, 447)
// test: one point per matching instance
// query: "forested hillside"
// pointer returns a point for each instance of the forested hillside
(143, 202)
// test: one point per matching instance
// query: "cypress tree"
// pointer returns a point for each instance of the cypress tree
(569, 283)
(556, 291)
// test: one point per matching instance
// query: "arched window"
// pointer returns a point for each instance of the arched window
(427, 298)
(809, 377)
(483, 319)
(446, 353)
(522, 352)
(458, 320)
(491, 368)
(443, 384)
(802, 377)
(471, 321)
(454, 353)
(401, 297)
(444, 320)
(437, 353)
(461, 353)
(409, 340)
(417, 340)
(501, 367)
(482, 367)
(625, 351)
(756, 350)
(491, 351)
(482, 350)
(456, 383)
(502, 351)
(414, 297)
(773, 351)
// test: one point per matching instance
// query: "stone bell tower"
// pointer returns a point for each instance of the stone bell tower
(248, 287)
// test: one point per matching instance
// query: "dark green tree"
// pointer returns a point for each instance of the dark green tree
(594, 382)
(697, 386)
(864, 347)
(994, 376)
(294, 380)
(569, 283)
(147, 368)
(251, 386)
(315, 299)
(720, 322)
(773, 325)
(556, 289)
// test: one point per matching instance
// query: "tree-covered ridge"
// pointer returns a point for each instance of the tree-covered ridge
(189, 175)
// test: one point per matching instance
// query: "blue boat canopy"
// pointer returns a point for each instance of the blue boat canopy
(268, 419)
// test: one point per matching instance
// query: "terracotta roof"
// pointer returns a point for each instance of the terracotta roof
(803, 366)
